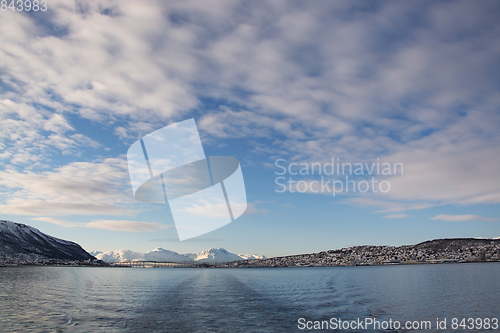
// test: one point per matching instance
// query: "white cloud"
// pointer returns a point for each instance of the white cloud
(57, 124)
(124, 225)
(35, 208)
(112, 225)
(396, 216)
(454, 166)
(207, 209)
(85, 188)
(102, 62)
(55, 221)
(461, 218)
(387, 206)
(31, 134)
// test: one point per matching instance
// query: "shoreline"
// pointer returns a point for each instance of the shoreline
(223, 266)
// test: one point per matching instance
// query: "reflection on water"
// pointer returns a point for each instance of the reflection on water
(86, 299)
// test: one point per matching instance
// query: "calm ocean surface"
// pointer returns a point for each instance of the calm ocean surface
(80, 299)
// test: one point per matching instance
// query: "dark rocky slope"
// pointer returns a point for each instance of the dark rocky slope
(17, 238)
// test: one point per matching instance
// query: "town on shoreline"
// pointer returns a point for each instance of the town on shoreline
(457, 250)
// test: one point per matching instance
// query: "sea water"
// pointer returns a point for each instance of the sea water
(335, 299)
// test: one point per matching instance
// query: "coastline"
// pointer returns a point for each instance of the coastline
(440, 251)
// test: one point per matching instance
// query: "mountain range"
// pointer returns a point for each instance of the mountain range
(22, 239)
(212, 255)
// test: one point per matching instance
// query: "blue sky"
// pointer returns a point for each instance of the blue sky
(415, 83)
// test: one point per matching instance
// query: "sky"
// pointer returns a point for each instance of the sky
(411, 89)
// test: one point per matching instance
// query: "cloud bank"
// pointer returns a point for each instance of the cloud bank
(412, 82)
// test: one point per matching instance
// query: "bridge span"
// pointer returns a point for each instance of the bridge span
(156, 264)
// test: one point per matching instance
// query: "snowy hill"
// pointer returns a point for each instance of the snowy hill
(209, 256)
(20, 238)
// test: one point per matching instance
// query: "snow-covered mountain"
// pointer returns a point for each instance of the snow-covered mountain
(251, 256)
(217, 255)
(119, 255)
(160, 254)
(20, 238)
(209, 256)
(157, 254)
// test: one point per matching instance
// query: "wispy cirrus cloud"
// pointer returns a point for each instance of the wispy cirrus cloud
(396, 216)
(385, 206)
(55, 221)
(462, 218)
(112, 225)
(125, 225)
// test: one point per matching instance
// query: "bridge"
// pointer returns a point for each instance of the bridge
(155, 264)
